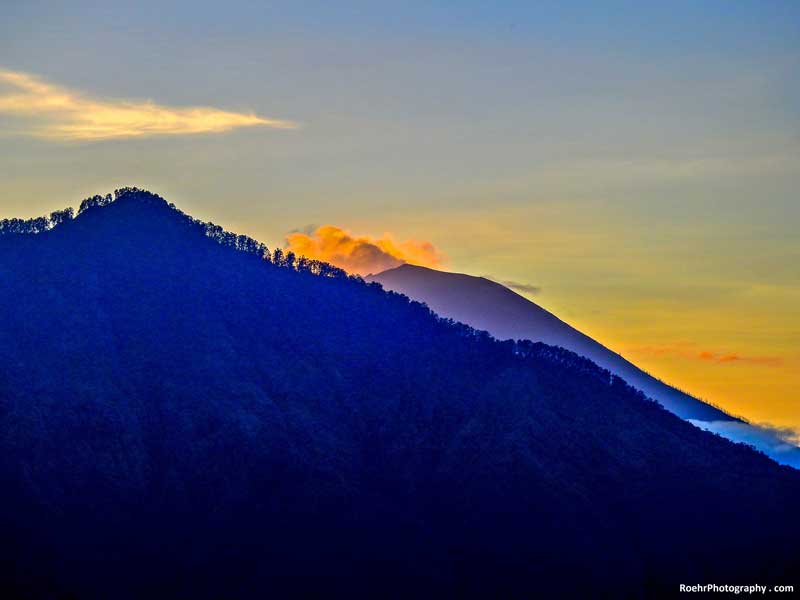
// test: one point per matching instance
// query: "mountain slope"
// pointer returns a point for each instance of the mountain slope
(181, 418)
(492, 307)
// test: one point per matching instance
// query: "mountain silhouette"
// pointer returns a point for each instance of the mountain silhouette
(185, 414)
(490, 306)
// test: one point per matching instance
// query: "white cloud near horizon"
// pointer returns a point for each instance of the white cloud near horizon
(57, 113)
(779, 443)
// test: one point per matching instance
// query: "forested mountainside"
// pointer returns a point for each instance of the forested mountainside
(184, 414)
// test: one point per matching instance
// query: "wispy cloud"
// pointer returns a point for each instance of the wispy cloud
(730, 357)
(689, 351)
(57, 113)
(361, 254)
(524, 288)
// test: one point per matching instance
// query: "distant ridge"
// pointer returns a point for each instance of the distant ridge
(490, 306)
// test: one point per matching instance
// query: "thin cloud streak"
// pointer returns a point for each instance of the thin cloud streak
(730, 357)
(524, 288)
(687, 351)
(61, 114)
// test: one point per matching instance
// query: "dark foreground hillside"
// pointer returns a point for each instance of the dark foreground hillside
(180, 418)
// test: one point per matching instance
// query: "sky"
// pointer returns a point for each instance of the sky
(632, 167)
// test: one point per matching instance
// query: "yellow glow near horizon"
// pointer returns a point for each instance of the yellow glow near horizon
(66, 115)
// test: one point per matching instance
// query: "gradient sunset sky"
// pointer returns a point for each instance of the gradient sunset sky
(636, 163)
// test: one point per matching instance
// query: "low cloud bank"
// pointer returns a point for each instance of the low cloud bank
(523, 288)
(779, 443)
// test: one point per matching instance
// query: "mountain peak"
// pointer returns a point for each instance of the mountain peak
(403, 268)
(127, 197)
(132, 196)
(134, 216)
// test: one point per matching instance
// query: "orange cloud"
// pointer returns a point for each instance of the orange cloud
(361, 254)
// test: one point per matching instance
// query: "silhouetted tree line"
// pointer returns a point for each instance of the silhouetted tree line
(241, 243)
(35, 225)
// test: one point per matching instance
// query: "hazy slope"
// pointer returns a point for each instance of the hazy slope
(180, 418)
(492, 307)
